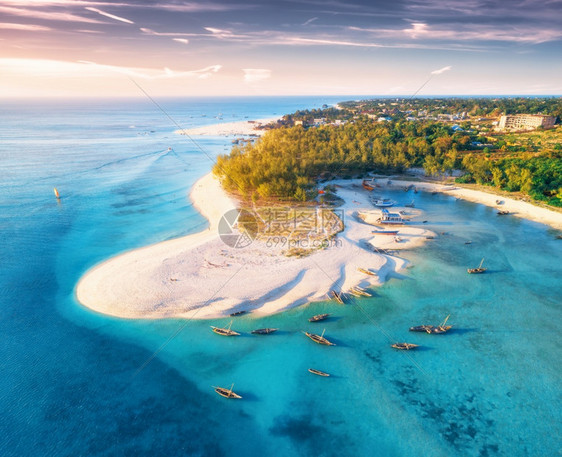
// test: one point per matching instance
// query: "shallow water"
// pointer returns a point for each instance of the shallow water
(79, 383)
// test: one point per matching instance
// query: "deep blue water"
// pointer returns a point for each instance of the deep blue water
(78, 383)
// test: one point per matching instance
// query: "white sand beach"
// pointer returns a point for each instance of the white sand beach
(238, 128)
(198, 276)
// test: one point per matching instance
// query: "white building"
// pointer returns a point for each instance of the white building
(525, 121)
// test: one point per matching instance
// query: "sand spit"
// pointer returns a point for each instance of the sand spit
(200, 276)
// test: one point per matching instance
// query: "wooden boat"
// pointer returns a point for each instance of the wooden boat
(319, 338)
(385, 232)
(367, 272)
(354, 292)
(56, 192)
(337, 296)
(477, 270)
(264, 331)
(238, 313)
(468, 242)
(503, 212)
(368, 186)
(225, 331)
(404, 346)
(421, 328)
(226, 393)
(318, 317)
(433, 329)
(361, 291)
(442, 328)
(318, 372)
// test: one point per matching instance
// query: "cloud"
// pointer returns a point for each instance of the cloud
(26, 27)
(111, 16)
(310, 21)
(225, 34)
(314, 41)
(181, 40)
(465, 33)
(253, 75)
(152, 74)
(48, 15)
(147, 31)
(441, 70)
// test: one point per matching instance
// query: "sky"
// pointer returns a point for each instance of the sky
(78, 48)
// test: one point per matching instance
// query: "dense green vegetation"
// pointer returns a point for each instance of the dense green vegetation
(481, 107)
(289, 161)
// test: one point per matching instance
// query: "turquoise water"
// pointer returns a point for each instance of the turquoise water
(78, 383)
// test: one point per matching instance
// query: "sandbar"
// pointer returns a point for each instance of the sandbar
(199, 276)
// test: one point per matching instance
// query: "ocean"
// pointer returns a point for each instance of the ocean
(77, 383)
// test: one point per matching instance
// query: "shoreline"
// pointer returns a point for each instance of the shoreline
(198, 276)
(236, 128)
(515, 207)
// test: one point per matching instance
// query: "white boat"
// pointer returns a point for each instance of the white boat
(391, 218)
(383, 202)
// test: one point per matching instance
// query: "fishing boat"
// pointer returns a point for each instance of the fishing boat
(225, 331)
(421, 328)
(226, 393)
(264, 331)
(56, 192)
(318, 372)
(383, 202)
(367, 272)
(319, 338)
(337, 296)
(360, 291)
(477, 270)
(385, 232)
(404, 346)
(368, 185)
(238, 313)
(433, 329)
(410, 205)
(503, 212)
(442, 328)
(318, 317)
